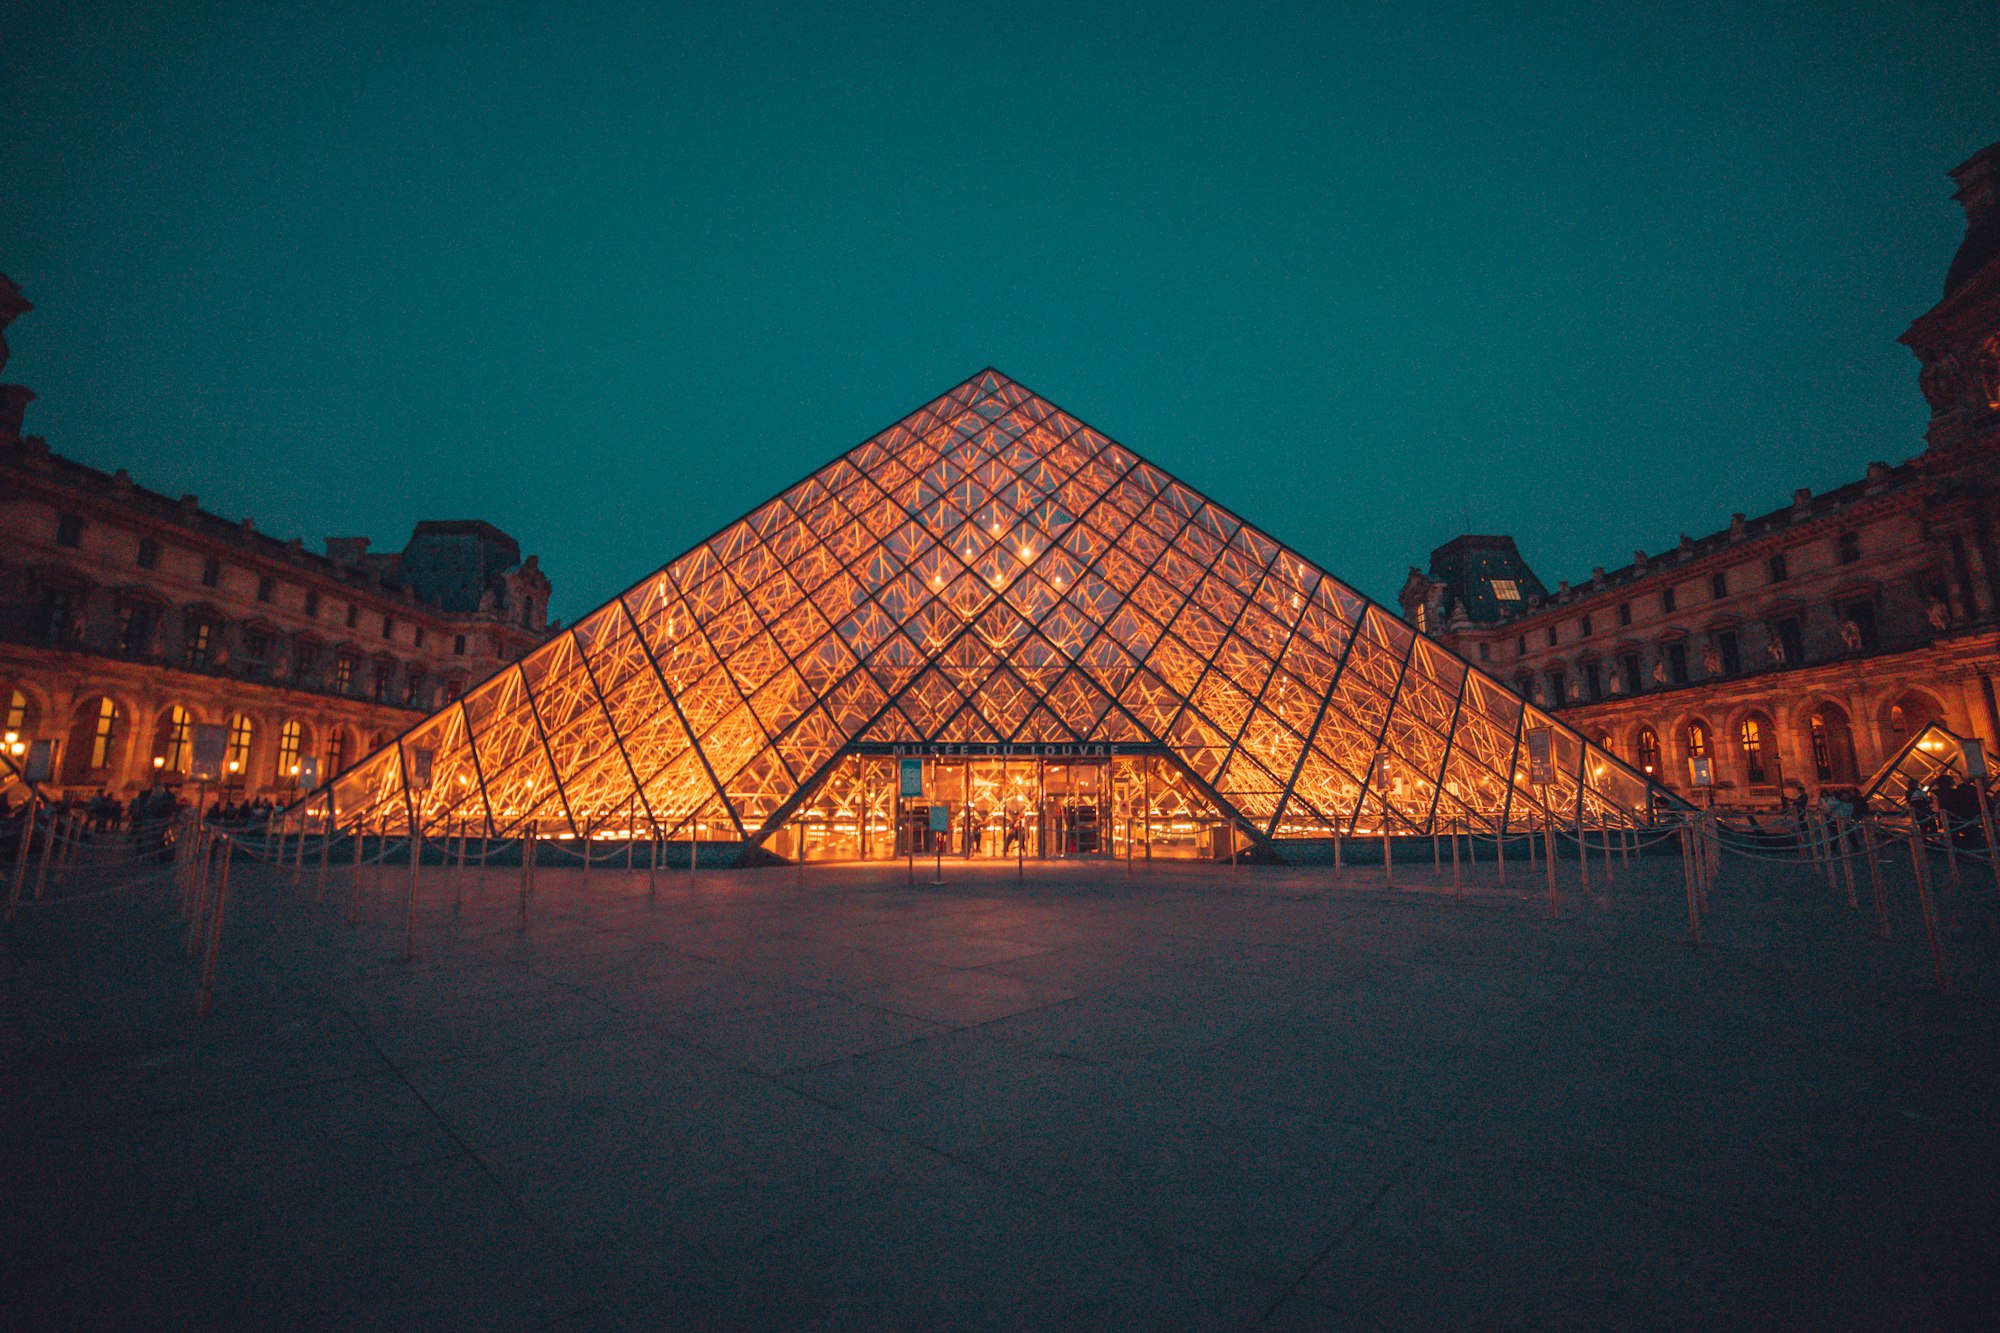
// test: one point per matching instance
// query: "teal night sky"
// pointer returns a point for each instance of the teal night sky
(1591, 274)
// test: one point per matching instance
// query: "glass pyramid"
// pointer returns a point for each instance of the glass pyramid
(987, 572)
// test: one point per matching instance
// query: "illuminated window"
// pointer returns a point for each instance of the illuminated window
(1697, 740)
(200, 643)
(236, 760)
(343, 673)
(1506, 590)
(291, 740)
(336, 753)
(1752, 737)
(1649, 750)
(104, 734)
(172, 743)
(1423, 619)
(17, 712)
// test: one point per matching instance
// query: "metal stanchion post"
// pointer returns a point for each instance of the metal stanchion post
(1549, 846)
(1582, 860)
(198, 915)
(1336, 853)
(410, 909)
(354, 904)
(325, 848)
(1500, 848)
(21, 855)
(1920, 863)
(1388, 859)
(208, 963)
(653, 865)
(1840, 842)
(527, 873)
(1875, 877)
(48, 850)
(1457, 881)
(1688, 882)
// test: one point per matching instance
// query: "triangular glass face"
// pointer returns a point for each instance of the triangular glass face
(988, 572)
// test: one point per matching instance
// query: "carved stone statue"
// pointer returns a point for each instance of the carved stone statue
(1711, 660)
(1939, 614)
(1850, 634)
(1775, 649)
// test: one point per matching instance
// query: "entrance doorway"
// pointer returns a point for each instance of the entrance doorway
(1000, 808)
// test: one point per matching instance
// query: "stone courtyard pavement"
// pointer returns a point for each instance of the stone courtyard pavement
(1189, 1098)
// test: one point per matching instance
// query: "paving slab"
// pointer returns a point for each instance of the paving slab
(1176, 1097)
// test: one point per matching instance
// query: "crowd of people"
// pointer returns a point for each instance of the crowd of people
(156, 806)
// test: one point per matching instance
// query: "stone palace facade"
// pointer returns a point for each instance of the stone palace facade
(1801, 648)
(128, 618)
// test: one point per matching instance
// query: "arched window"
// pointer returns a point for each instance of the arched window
(236, 761)
(172, 741)
(1604, 742)
(336, 753)
(291, 739)
(1832, 744)
(1649, 750)
(104, 734)
(1907, 715)
(1751, 734)
(20, 723)
(1697, 740)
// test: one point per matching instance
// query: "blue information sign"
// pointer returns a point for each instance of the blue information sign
(913, 777)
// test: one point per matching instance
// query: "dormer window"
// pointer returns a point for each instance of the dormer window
(1506, 590)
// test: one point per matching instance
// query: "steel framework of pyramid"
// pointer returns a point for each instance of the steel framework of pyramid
(988, 576)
